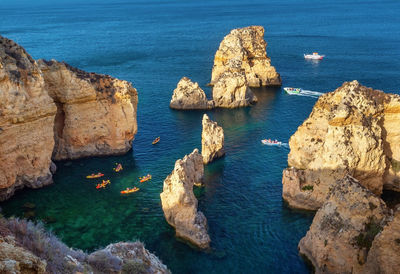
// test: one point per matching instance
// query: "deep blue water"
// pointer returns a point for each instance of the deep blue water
(153, 44)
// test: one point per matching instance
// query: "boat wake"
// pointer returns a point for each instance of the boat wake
(308, 93)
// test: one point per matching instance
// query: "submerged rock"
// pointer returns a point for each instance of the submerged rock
(344, 228)
(26, 121)
(352, 130)
(179, 203)
(96, 114)
(212, 140)
(248, 48)
(189, 95)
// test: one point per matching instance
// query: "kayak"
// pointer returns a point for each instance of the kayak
(156, 140)
(92, 176)
(118, 168)
(103, 184)
(129, 190)
(145, 178)
(271, 143)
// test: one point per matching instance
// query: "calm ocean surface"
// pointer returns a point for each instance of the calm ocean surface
(155, 43)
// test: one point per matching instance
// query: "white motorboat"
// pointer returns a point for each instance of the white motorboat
(314, 56)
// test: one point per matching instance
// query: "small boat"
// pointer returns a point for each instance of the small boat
(156, 140)
(270, 142)
(118, 168)
(103, 184)
(129, 190)
(314, 56)
(145, 178)
(292, 90)
(97, 175)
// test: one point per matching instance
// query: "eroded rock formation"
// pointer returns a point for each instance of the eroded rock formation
(212, 140)
(26, 122)
(352, 130)
(248, 48)
(179, 203)
(96, 113)
(188, 95)
(384, 255)
(343, 229)
(51, 108)
(232, 91)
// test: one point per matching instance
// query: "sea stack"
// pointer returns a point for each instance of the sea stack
(248, 47)
(212, 140)
(179, 203)
(353, 130)
(188, 95)
(96, 114)
(26, 122)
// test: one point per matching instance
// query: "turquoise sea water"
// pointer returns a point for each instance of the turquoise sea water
(155, 43)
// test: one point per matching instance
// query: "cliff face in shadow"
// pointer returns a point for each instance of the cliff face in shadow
(349, 131)
(50, 110)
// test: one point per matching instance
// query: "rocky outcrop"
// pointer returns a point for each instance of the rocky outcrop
(50, 110)
(15, 259)
(232, 91)
(248, 48)
(26, 247)
(384, 255)
(344, 228)
(26, 122)
(352, 131)
(179, 203)
(189, 95)
(212, 140)
(96, 113)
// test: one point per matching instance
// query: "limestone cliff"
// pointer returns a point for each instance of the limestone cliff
(212, 140)
(26, 122)
(96, 113)
(384, 255)
(179, 203)
(352, 130)
(343, 229)
(189, 95)
(248, 47)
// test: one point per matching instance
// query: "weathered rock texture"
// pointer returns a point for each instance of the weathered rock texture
(248, 47)
(384, 255)
(26, 122)
(96, 113)
(343, 229)
(15, 259)
(27, 248)
(189, 95)
(212, 140)
(51, 108)
(232, 90)
(353, 130)
(179, 203)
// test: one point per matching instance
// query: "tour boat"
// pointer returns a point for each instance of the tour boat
(292, 90)
(129, 190)
(314, 56)
(271, 142)
(98, 175)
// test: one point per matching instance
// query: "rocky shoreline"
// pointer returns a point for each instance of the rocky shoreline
(341, 158)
